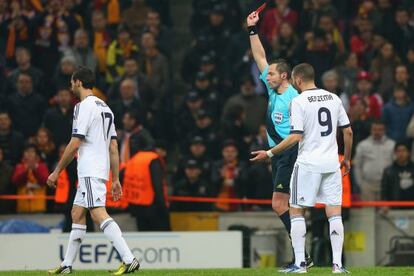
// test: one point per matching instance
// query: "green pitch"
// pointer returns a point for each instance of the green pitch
(371, 271)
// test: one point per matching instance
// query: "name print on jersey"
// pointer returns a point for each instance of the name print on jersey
(320, 98)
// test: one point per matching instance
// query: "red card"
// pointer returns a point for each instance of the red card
(262, 7)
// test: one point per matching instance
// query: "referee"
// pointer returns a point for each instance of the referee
(276, 76)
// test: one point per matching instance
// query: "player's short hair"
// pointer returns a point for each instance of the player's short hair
(21, 73)
(282, 66)
(85, 75)
(399, 87)
(377, 122)
(304, 70)
(23, 49)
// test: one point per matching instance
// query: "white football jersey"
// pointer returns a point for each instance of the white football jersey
(93, 121)
(317, 113)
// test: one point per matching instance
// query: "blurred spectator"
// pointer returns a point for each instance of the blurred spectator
(327, 23)
(155, 66)
(207, 129)
(6, 188)
(187, 113)
(230, 176)
(30, 177)
(274, 17)
(254, 106)
(120, 49)
(134, 137)
(373, 101)
(26, 107)
(330, 82)
(129, 101)
(402, 78)
(410, 60)
(82, 52)
(134, 17)
(11, 141)
(193, 185)
(46, 147)
(63, 74)
(205, 88)
(197, 151)
(24, 65)
(132, 71)
(287, 42)
(397, 114)
(402, 33)
(15, 30)
(372, 156)
(233, 127)
(160, 32)
(383, 68)
(360, 121)
(398, 179)
(101, 38)
(58, 119)
(317, 51)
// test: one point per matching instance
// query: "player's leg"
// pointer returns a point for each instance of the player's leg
(77, 234)
(331, 194)
(96, 198)
(78, 231)
(304, 186)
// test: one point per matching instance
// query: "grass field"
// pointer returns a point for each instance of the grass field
(371, 271)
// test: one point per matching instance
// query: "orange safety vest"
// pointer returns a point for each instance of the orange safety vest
(138, 185)
(62, 188)
(346, 189)
(121, 203)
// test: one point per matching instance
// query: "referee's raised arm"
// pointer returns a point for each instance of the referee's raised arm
(258, 51)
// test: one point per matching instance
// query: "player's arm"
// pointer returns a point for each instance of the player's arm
(67, 157)
(114, 159)
(344, 124)
(348, 138)
(288, 142)
(258, 51)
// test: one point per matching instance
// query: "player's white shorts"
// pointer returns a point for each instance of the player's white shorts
(308, 188)
(91, 192)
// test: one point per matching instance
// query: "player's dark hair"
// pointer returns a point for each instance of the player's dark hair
(282, 66)
(23, 49)
(133, 113)
(377, 122)
(304, 70)
(85, 75)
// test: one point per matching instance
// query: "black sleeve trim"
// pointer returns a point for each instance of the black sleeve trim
(296, 132)
(114, 137)
(81, 136)
(345, 126)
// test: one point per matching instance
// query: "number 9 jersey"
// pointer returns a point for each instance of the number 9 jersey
(317, 113)
(93, 122)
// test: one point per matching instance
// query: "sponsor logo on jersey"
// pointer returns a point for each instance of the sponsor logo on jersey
(277, 117)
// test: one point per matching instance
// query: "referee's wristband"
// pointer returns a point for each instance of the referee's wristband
(252, 30)
(269, 153)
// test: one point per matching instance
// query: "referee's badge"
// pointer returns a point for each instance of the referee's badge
(278, 117)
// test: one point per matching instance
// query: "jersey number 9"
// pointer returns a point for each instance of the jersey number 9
(326, 121)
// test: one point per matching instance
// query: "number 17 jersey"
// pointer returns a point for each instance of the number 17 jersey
(93, 122)
(317, 114)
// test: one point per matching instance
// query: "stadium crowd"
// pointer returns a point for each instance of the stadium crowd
(362, 50)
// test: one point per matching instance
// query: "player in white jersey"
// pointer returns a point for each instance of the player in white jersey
(315, 116)
(94, 139)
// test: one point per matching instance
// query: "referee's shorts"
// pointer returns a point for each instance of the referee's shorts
(282, 168)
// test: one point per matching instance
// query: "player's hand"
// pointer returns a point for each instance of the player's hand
(260, 155)
(347, 165)
(116, 190)
(52, 179)
(252, 19)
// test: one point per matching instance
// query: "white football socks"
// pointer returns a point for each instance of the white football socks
(336, 232)
(298, 234)
(114, 234)
(75, 239)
